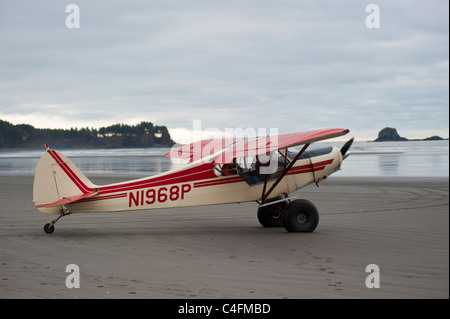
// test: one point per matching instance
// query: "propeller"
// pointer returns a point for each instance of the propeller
(345, 148)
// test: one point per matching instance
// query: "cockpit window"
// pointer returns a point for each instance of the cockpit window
(310, 152)
(246, 163)
(255, 169)
(225, 169)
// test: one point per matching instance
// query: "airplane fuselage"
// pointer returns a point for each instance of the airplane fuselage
(196, 184)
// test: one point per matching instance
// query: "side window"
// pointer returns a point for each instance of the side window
(252, 170)
(246, 163)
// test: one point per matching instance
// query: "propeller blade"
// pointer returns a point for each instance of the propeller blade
(346, 146)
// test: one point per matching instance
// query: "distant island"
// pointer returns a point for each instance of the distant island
(143, 135)
(389, 134)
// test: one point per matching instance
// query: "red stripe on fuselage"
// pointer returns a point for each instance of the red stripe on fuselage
(221, 181)
(93, 199)
(190, 175)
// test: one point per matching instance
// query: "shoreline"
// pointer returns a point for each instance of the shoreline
(400, 224)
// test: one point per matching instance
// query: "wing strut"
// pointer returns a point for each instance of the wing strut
(286, 169)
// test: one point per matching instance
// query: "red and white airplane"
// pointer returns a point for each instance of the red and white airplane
(219, 171)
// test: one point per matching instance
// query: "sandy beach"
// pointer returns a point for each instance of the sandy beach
(400, 224)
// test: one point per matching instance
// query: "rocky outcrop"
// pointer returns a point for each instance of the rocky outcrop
(389, 134)
(433, 138)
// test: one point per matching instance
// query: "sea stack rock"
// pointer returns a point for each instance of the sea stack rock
(433, 138)
(389, 134)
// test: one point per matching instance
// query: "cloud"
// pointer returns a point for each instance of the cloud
(288, 64)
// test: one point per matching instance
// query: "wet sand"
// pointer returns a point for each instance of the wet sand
(399, 224)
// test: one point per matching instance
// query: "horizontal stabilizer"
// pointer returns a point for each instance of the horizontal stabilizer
(68, 200)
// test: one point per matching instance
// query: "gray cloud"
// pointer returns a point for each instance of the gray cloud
(295, 65)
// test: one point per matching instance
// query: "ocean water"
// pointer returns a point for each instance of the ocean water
(412, 158)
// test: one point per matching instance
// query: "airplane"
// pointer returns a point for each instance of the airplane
(217, 171)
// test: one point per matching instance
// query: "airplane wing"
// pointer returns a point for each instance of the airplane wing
(200, 149)
(231, 148)
(266, 144)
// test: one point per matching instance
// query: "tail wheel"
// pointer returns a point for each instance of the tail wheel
(300, 216)
(49, 228)
(272, 215)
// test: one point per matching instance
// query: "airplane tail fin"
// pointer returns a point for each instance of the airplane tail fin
(59, 182)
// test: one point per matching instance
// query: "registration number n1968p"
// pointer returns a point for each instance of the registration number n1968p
(160, 195)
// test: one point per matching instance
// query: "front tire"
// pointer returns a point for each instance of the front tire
(300, 216)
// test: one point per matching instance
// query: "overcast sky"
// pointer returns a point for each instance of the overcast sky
(292, 65)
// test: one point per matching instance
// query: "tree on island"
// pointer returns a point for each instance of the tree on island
(145, 134)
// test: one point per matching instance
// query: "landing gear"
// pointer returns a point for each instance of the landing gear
(271, 215)
(50, 227)
(299, 215)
